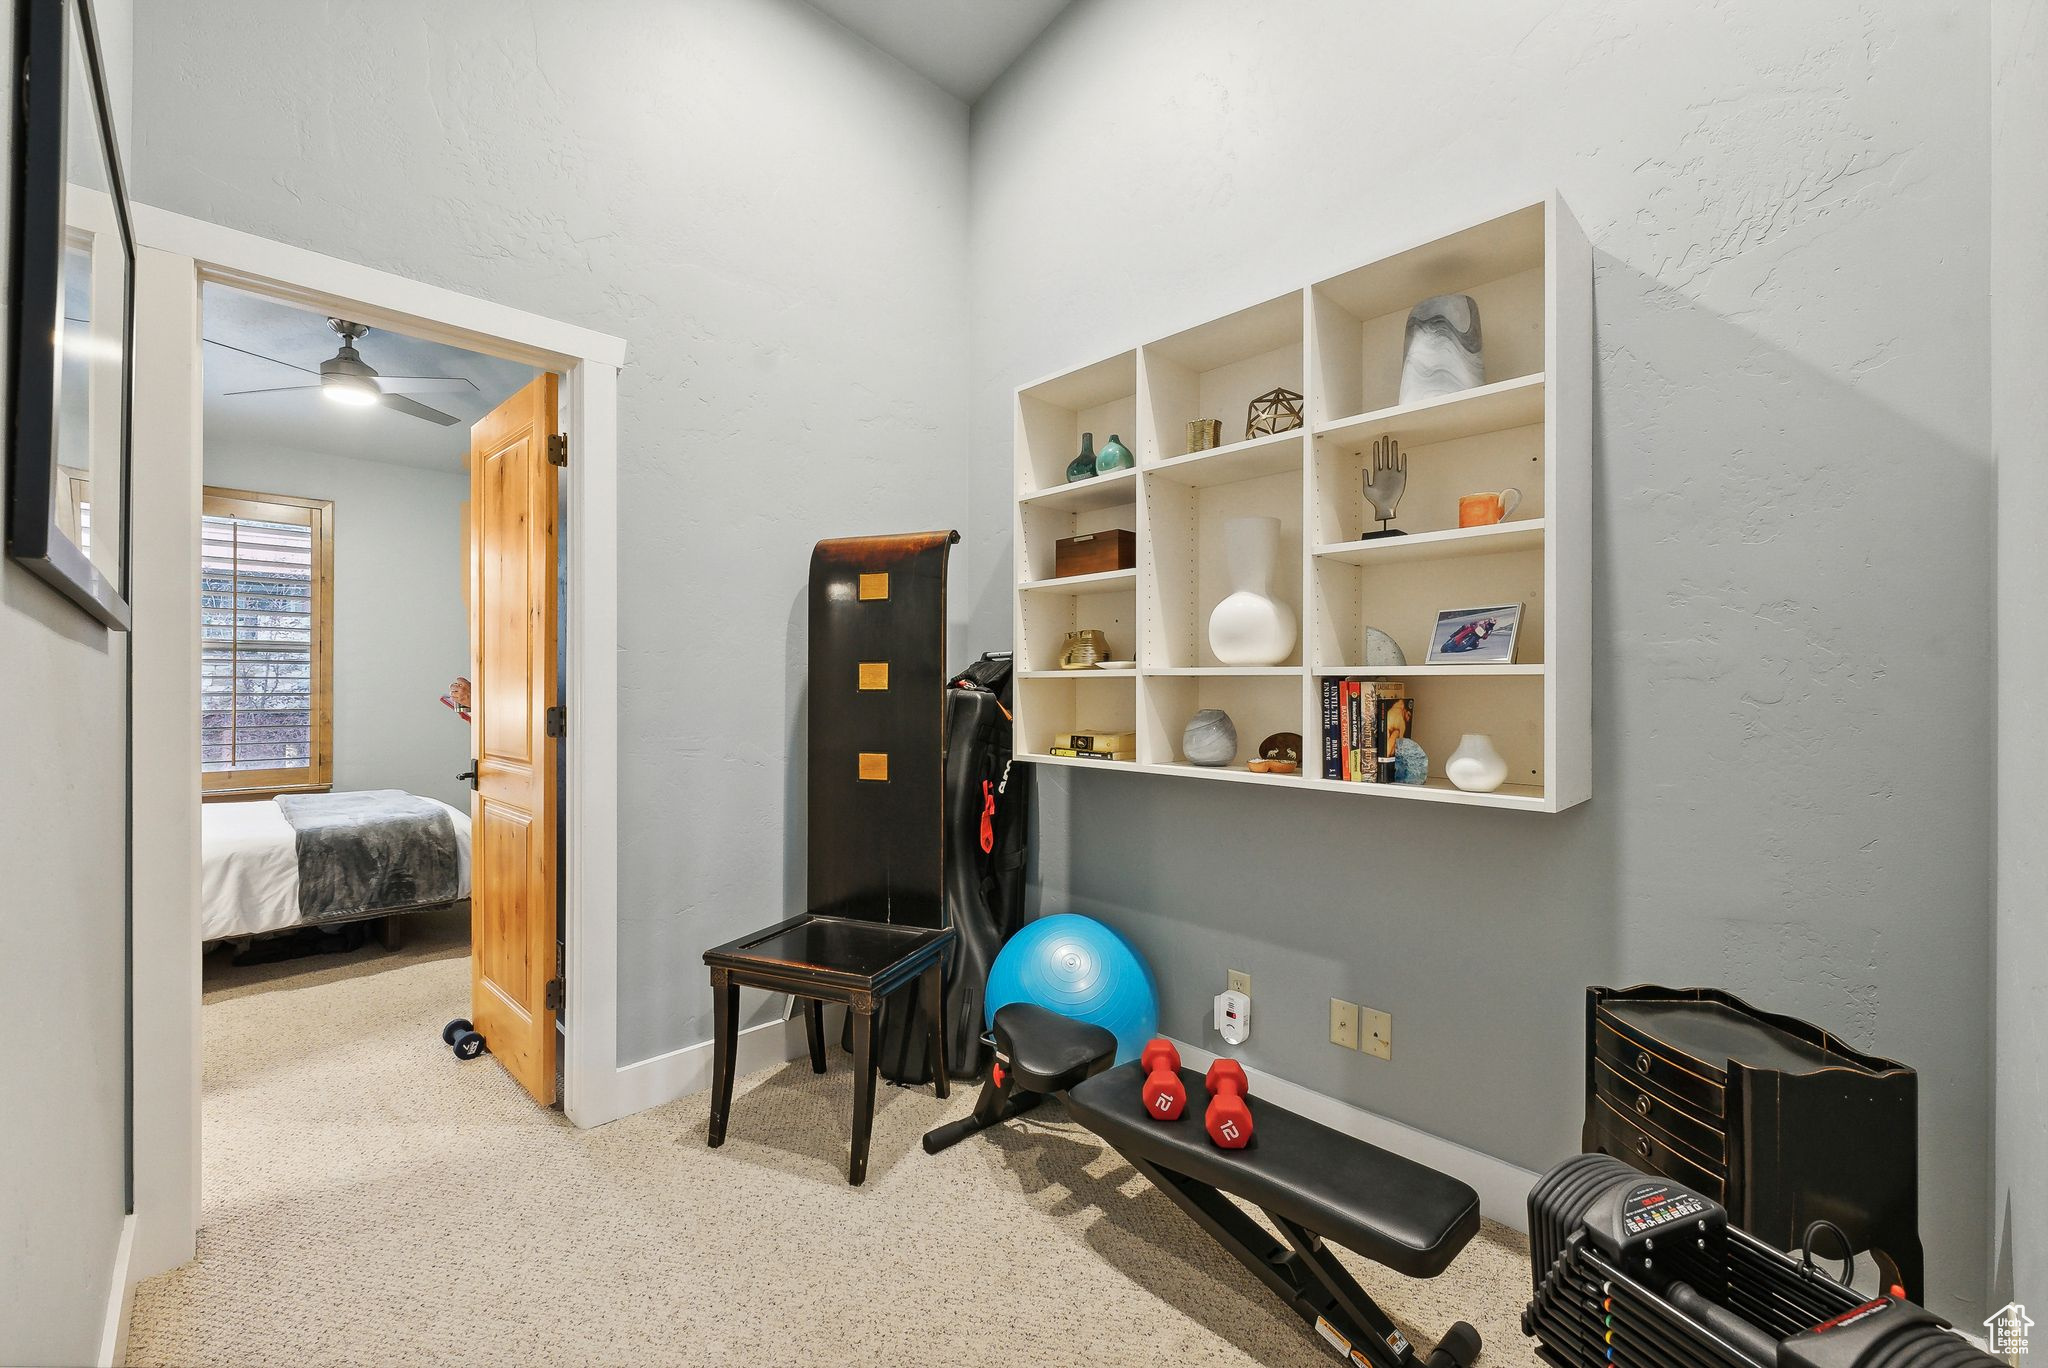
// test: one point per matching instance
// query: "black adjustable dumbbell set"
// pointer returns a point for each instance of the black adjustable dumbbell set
(1634, 1269)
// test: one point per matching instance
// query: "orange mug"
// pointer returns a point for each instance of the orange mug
(1483, 510)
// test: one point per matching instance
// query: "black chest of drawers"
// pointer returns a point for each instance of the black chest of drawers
(1772, 1117)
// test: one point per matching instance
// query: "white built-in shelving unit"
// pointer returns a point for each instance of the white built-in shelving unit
(1338, 342)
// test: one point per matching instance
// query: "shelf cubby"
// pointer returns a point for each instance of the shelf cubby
(1045, 614)
(1074, 701)
(1439, 474)
(1361, 317)
(1339, 342)
(1051, 416)
(1402, 595)
(1259, 705)
(1181, 561)
(1508, 708)
(1215, 371)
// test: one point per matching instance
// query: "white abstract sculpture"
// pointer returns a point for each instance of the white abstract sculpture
(1475, 766)
(1250, 626)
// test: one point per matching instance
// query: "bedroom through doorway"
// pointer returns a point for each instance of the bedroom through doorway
(338, 746)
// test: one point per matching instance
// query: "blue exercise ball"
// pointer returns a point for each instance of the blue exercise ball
(1078, 967)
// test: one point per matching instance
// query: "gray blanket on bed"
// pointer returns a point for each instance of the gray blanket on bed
(377, 849)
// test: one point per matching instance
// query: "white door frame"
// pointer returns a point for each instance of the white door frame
(176, 255)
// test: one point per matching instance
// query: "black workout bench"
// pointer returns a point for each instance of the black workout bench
(1315, 1184)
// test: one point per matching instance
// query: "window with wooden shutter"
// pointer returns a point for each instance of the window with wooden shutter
(266, 651)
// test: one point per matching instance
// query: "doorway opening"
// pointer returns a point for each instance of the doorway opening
(572, 664)
(336, 756)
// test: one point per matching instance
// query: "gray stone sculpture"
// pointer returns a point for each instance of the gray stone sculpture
(1442, 352)
(1210, 739)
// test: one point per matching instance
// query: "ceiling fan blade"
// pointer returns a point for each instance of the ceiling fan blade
(274, 389)
(216, 342)
(424, 384)
(401, 404)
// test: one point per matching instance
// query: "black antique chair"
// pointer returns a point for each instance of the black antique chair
(876, 884)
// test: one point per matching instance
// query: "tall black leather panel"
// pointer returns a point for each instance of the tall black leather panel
(877, 727)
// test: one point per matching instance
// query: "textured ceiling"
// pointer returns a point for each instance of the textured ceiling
(959, 45)
(302, 420)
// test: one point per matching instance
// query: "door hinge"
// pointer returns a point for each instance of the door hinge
(558, 721)
(555, 995)
(558, 448)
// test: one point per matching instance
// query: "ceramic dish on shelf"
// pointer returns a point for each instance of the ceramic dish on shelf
(1116, 664)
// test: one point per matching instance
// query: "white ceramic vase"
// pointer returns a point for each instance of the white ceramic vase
(1475, 766)
(1250, 626)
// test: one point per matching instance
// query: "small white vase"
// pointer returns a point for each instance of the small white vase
(1250, 626)
(1475, 766)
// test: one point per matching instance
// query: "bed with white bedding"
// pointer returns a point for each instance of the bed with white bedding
(249, 868)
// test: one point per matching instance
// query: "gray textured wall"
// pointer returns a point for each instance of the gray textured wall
(1793, 512)
(401, 630)
(768, 211)
(2019, 353)
(63, 931)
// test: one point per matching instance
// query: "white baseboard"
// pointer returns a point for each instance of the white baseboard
(666, 1077)
(1503, 1188)
(120, 1301)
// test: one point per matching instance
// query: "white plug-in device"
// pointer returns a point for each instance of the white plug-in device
(1234, 1016)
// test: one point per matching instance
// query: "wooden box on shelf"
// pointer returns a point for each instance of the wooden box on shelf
(1525, 426)
(1091, 553)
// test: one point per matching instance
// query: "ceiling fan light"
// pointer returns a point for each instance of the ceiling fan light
(349, 390)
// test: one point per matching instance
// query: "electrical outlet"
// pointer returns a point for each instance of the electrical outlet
(1378, 1037)
(1240, 982)
(1344, 1023)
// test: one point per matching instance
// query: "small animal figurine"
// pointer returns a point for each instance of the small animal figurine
(1279, 753)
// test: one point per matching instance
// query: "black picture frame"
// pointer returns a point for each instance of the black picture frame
(35, 536)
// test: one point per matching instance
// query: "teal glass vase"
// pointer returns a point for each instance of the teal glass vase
(1114, 456)
(1082, 467)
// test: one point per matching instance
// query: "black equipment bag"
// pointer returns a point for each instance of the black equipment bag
(986, 826)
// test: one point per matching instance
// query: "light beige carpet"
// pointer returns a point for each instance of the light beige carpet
(371, 1200)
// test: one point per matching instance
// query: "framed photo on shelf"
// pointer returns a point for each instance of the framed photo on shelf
(1475, 636)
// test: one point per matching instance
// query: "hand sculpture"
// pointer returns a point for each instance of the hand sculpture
(1385, 481)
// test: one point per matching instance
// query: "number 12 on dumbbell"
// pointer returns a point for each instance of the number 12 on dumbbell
(1164, 1095)
(1229, 1118)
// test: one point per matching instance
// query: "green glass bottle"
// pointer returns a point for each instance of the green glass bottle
(1114, 456)
(1082, 467)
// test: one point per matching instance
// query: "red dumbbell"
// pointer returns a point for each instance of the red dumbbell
(1164, 1094)
(1229, 1119)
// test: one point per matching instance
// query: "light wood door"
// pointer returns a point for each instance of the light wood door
(512, 608)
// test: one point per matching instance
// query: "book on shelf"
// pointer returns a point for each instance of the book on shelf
(1075, 753)
(1094, 741)
(1362, 721)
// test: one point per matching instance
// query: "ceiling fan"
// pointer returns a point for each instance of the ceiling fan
(346, 378)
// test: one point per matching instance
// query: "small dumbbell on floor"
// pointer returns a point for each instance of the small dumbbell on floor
(1164, 1094)
(1229, 1118)
(461, 1037)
